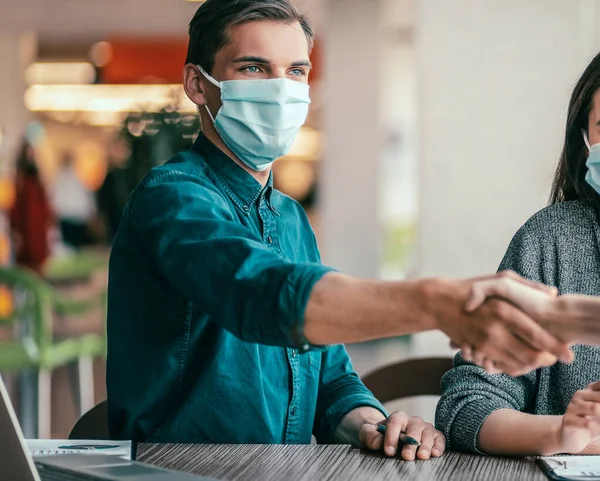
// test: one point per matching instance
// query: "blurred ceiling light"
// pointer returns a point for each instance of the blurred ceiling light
(105, 98)
(63, 117)
(65, 73)
(101, 54)
(104, 119)
(307, 145)
(96, 119)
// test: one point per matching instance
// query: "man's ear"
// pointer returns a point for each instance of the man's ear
(193, 84)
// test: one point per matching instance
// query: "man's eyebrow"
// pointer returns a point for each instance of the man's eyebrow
(264, 61)
(302, 63)
(252, 59)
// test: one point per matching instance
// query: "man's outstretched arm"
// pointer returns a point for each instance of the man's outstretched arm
(346, 309)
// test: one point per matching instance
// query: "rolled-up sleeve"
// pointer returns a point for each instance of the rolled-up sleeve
(191, 236)
(340, 391)
(470, 395)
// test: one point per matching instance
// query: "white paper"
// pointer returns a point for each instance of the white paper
(575, 467)
(48, 447)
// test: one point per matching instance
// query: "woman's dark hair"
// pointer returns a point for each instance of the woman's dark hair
(569, 179)
(26, 163)
(208, 28)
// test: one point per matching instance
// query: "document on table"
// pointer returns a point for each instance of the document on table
(49, 447)
(571, 467)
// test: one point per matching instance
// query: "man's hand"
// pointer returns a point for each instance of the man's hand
(359, 428)
(502, 337)
(580, 426)
(433, 442)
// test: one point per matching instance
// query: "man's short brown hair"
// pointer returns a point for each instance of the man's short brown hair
(208, 28)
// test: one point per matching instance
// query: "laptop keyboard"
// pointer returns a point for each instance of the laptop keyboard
(52, 475)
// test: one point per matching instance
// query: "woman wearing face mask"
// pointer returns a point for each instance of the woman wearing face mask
(555, 409)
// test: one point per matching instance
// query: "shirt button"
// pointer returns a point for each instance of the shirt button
(270, 240)
(293, 353)
(246, 208)
(293, 411)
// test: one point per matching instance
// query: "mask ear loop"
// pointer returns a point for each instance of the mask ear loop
(209, 114)
(585, 139)
(208, 77)
(212, 81)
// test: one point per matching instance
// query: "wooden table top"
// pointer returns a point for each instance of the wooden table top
(335, 462)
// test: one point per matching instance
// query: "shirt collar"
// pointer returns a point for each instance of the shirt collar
(243, 189)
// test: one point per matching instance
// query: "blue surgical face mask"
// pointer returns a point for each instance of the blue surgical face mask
(592, 176)
(259, 119)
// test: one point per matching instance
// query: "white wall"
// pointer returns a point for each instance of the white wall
(494, 81)
(399, 176)
(352, 120)
(369, 95)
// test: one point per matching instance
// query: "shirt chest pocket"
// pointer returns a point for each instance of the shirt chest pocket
(311, 363)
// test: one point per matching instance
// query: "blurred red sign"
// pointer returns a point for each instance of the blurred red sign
(145, 60)
(157, 60)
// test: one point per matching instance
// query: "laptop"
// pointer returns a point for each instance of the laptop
(16, 463)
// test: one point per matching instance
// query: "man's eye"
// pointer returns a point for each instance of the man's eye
(297, 71)
(252, 69)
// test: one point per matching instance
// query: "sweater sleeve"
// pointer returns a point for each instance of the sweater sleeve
(469, 393)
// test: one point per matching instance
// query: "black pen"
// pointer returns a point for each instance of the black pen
(403, 438)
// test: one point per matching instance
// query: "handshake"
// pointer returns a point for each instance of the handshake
(511, 325)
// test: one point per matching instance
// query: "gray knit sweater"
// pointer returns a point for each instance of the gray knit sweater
(559, 246)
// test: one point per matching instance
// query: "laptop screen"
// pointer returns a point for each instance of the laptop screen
(15, 461)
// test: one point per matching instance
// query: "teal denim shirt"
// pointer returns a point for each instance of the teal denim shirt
(209, 277)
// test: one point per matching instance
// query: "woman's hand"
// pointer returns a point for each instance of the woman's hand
(579, 430)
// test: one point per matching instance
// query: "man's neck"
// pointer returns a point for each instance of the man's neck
(211, 134)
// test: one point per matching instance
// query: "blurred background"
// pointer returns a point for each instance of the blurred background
(434, 130)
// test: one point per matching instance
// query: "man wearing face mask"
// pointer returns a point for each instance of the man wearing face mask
(223, 325)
